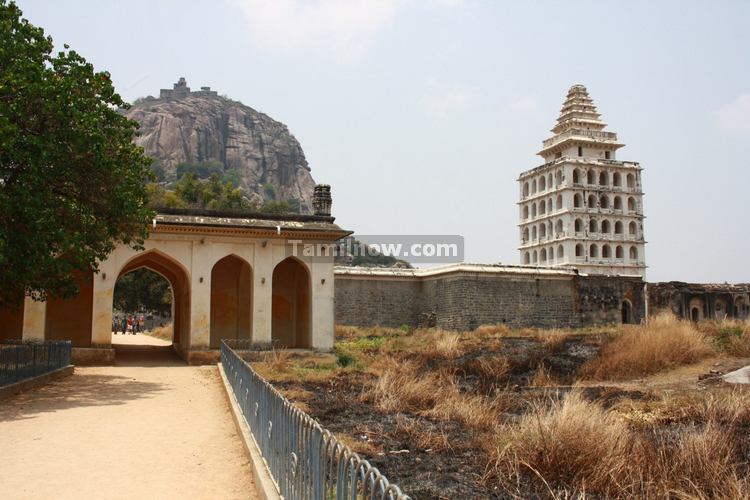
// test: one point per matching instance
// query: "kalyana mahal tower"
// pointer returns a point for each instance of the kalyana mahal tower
(582, 208)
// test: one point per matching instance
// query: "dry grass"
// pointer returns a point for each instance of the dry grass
(477, 412)
(574, 447)
(446, 345)
(543, 378)
(407, 387)
(701, 464)
(551, 339)
(570, 443)
(491, 371)
(358, 444)
(729, 336)
(727, 405)
(665, 342)
(490, 331)
(402, 387)
(425, 435)
(460, 393)
(161, 332)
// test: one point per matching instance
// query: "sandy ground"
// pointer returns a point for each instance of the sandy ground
(150, 427)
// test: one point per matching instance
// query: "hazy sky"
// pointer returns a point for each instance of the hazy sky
(422, 113)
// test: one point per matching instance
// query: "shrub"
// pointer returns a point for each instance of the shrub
(345, 359)
(729, 336)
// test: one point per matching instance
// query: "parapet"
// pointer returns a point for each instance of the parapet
(180, 90)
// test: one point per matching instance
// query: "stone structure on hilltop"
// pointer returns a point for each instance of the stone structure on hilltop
(200, 127)
(180, 90)
(582, 208)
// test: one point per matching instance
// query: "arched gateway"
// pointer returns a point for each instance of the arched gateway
(263, 278)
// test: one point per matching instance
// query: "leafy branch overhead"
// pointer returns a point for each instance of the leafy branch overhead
(72, 182)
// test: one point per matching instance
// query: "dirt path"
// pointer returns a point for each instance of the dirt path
(150, 427)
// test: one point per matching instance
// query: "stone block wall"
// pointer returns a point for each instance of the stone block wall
(371, 302)
(464, 302)
(465, 296)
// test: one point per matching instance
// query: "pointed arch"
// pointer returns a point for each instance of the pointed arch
(231, 300)
(291, 305)
(179, 279)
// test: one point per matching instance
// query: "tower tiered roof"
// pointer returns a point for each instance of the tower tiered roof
(578, 111)
(579, 122)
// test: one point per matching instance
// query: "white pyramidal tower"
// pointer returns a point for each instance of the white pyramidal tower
(583, 208)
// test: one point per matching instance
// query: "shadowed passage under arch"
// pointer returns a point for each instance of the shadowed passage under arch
(180, 283)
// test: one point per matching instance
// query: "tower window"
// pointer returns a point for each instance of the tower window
(606, 155)
(580, 151)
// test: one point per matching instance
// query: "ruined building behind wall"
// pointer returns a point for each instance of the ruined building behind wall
(582, 208)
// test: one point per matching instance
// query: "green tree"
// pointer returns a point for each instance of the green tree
(71, 179)
(189, 189)
(143, 290)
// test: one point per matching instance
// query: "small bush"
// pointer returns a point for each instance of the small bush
(729, 336)
(345, 359)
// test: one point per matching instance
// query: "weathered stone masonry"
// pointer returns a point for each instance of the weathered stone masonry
(700, 301)
(464, 296)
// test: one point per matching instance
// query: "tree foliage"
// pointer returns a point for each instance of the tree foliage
(217, 192)
(71, 179)
(143, 290)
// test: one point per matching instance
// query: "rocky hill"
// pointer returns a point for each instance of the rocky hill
(183, 129)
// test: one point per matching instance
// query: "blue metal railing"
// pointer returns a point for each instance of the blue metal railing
(21, 360)
(305, 460)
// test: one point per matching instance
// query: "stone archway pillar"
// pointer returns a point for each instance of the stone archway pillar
(200, 305)
(262, 293)
(34, 319)
(101, 310)
(322, 305)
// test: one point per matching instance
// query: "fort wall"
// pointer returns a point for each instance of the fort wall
(465, 296)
